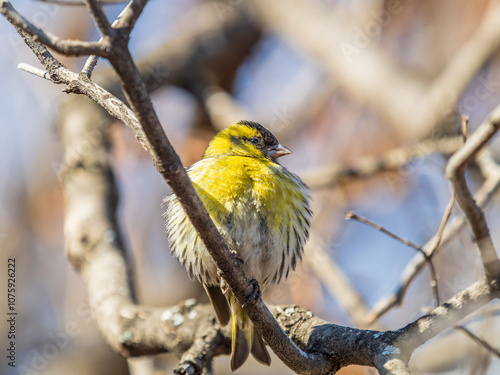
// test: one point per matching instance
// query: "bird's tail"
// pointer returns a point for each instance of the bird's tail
(245, 339)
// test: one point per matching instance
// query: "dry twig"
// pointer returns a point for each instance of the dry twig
(428, 258)
(479, 340)
(455, 171)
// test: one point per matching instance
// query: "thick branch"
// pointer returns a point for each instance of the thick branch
(455, 171)
(90, 224)
(388, 351)
(447, 315)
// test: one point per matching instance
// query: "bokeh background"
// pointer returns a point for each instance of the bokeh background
(338, 82)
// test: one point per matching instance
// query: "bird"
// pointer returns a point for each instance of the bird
(262, 211)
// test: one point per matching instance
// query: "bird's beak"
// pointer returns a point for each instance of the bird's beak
(277, 151)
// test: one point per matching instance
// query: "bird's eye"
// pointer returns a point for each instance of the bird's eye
(254, 140)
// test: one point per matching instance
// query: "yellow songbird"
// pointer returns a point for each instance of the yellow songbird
(262, 211)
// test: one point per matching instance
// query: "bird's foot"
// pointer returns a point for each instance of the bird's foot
(254, 295)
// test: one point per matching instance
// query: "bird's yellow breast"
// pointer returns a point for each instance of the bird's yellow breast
(260, 208)
(244, 183)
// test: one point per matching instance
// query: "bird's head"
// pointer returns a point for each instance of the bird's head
(246, 138)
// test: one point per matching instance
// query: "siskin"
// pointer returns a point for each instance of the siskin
(262, 211)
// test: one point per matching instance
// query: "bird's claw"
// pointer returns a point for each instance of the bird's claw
(254, 295)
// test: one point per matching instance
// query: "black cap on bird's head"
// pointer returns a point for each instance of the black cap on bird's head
(270, 145)
(267, 136)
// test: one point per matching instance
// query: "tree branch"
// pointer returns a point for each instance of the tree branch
(455, 171)
(330, 175)
(66, 47)
(417, 263)
(447, 315)
(479, 341)
(428, 259)
(129, 16)
(126, 21)
(99, 17)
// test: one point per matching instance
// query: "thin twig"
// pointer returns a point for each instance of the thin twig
(89, 66)
(434, 285)
(35, 71)
(353, 216)
(439, 235)
(478, 340)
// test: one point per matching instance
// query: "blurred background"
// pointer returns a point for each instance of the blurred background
(367, 94)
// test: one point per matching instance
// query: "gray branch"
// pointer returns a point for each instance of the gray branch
(66, 47)
(128, 17)
(99, 16)
(455, 171)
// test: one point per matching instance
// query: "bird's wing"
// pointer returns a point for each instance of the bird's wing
(219, 303)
